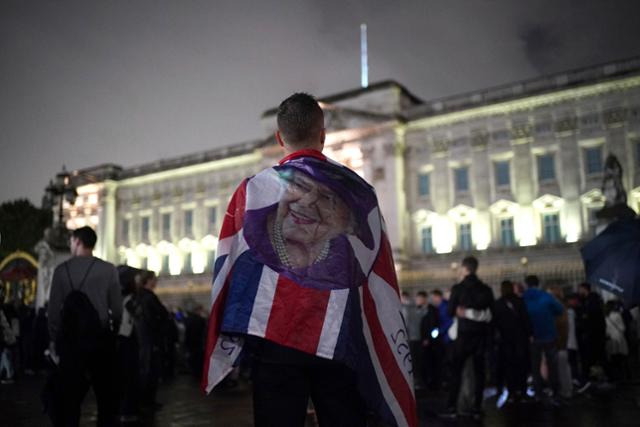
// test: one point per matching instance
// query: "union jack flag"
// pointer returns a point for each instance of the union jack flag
(303, 260)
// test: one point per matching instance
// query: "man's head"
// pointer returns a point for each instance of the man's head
(532, 281)
(421, 298)
(300, 123)
(436, 297)
(506, 288)
(584, 289)
(82, 241)
(469, 266)
(405, 298)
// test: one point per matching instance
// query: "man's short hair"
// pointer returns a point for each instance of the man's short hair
(471, 264)
(437, 292)
(585, 285)
(86, 235)
(300, 119)
(421, 294)
(532, 281)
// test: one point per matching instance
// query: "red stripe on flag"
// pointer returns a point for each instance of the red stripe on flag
(234, 217)
(297, 315)
(384, 265)
(213, 329)
(390, 368)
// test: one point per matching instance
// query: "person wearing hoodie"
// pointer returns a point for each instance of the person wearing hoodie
(472, 304)
(543, 309)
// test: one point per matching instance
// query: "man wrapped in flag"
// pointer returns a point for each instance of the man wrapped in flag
(304, 283)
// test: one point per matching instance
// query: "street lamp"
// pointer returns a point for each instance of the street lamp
(56, 193)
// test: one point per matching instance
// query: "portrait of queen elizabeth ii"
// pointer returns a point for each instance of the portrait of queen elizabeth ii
(305, 234)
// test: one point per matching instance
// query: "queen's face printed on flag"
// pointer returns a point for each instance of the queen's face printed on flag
(304, 217)
(308, 217)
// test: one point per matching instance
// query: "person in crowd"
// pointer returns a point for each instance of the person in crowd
(85, 302)
(195, 330)
(150, 326)
(8, 340)
(128, 352)
(572, 338)
(471, 303)
(616, 342)
(511, 320)
(591, 330)
(565, 386)
(417, 311)
(542, 308)
(434, 328)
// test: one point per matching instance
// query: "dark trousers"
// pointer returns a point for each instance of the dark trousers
(465, 346)
(514, 364)
(550, 351)
(573, 364)
(433, 364)
(150, 360)
(72, 381)
(129, 372)
(281, 394)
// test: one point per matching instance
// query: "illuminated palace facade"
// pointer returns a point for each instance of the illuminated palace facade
(510, 174)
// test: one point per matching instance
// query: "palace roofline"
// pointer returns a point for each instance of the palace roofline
(421, 109)
(525, 88)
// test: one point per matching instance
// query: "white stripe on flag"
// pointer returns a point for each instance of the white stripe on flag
(389, 397)
(332, 323)
(234, 252)
(222, 359)
(264, 189)
(365, 256)
(388, 309)
(263, 302)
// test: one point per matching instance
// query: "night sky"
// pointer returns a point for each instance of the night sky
(129, 82)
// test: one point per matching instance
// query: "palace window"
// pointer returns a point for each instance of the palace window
(211, 260)
(423, 184)
(551, 227)
(145, 229)
(465, 242)
(212, 219)
(188, 222)
(546, 168)
(503, 178)
(125, 230)
(187, 263)
(164, 268)
(461, 176)
(427, 240)
(593, 160)
(166, 226)
(506, 232)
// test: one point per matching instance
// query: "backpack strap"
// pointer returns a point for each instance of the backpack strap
(66, 267)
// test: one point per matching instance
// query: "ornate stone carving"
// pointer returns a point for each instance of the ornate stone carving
(479, 138)
(440, 145)
(567, 124)
(615, 117)
(520, 131)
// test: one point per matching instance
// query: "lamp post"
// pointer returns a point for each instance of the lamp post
(56, 193)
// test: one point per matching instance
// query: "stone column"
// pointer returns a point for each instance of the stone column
(569, 178)
(524, 192)
(107, 222)
(481, 191)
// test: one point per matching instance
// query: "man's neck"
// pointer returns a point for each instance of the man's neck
(83, 252)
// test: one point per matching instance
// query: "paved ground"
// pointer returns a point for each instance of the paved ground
(185, 406)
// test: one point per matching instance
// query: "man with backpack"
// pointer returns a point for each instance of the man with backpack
(84, 308)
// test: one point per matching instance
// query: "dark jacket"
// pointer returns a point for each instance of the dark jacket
(511, 320)
(471, 293)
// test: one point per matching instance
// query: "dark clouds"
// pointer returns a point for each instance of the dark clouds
(127, 82)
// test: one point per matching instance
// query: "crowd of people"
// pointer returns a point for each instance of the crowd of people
(141, 344)
(531, 343)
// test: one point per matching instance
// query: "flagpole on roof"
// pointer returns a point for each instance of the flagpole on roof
(364, 66)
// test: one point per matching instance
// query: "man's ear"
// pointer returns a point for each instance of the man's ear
(279, 139)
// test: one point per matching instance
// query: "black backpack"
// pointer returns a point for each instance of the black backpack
(80, 328)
